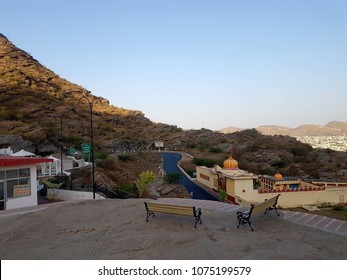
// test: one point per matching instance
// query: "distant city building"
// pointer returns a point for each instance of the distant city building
(336, 143)
(244, 187)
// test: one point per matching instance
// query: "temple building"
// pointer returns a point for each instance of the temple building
(243, 187)
(236, 182)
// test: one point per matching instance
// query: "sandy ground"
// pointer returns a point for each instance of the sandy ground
(116, 229)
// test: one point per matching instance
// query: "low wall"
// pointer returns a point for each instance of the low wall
(72, 195)
(300, 198)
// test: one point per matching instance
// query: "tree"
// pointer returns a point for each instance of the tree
(222, 194)
(144, 179)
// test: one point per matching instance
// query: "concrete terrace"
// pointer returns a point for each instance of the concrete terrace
(117, 229)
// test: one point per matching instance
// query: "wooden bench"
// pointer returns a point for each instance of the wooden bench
(267, 205)
(173, 209)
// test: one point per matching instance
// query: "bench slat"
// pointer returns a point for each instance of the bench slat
(173, 209)
(263, 207)
(260, 208)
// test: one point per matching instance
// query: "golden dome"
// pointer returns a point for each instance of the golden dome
(230, 163)
(278, 176)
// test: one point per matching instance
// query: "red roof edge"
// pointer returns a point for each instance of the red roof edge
(14, 161)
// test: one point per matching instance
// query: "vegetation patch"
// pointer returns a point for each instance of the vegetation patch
(172, 178)
(204, 162)
(125, 157)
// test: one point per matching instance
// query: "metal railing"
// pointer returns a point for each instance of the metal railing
(117, 193)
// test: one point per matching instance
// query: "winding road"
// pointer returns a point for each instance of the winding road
(170, 166)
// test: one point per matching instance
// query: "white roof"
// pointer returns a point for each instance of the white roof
(54, 158)
(22, 153)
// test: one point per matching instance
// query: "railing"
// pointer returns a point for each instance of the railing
(291, 190)
(114, 194)
(102, 190)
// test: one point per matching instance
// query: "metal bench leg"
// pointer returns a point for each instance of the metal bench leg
(276, 211)
(149, 213)
(198, 217)
(197, 220)
(272, 208)
(249, 223)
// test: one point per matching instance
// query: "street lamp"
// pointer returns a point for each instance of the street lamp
(60, 138)
(90, 99)
(61, 145)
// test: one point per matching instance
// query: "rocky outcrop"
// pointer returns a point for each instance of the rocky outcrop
(159, 188)
(16, 142)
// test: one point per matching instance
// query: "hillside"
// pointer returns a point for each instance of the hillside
(34, 102)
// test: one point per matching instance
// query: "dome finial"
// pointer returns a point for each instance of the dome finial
(278, 176)
(230, 163)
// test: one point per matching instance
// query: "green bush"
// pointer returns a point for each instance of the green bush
(144, 179)
(172, 178)
(280, 163)
(267, 171)
(338, 207)
(190, 172)
(75, 140)
(222, 194)
(100, 155)
(123, 190)
(36, 136)
(216, 150)
(204, 162)
(125, 157)
(108, 163)
(300, 150)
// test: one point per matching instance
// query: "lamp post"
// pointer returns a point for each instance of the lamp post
(60, 138)
(90, 99)
(61, 145)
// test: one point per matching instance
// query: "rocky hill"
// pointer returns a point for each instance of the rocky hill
(39, 110)
(35, 102)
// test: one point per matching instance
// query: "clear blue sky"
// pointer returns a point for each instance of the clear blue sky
(195, 63)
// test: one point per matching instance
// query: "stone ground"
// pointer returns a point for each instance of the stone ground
(116, 229)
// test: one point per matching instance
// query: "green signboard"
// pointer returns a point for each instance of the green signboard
(72, 151)
(86, 148)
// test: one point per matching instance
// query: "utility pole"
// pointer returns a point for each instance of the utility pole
(61, 145)
(90, 99)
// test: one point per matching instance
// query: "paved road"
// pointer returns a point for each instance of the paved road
(170, 166)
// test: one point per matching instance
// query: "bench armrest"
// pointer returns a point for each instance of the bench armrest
(242, 214)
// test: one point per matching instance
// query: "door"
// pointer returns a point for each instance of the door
(2, 195)
(342, 200)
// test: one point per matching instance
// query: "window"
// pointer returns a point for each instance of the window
(11, 174)
(256, 184)
(18, 183)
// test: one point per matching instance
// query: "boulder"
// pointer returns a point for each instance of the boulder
(16, 142)
(166, 190)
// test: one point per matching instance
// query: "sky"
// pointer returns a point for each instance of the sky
(195, 63)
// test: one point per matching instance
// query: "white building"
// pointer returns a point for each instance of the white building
(241, 186)
(18, 181)
(6, 151)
